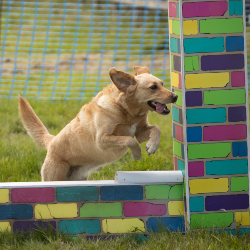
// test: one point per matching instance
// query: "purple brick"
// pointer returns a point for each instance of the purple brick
(237, 114)
(193, 98)
(21, 195)
(143, 209)
(227, 202)
(26, 226)
(222, 62)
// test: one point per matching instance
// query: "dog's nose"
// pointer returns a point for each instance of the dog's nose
(174, 97)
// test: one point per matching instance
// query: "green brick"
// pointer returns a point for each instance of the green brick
(101, 210)
(209, 150)
(179, 100)
(157, 192)
(211, 220)
(176, 192)
(177, 148)
(239, 184)
(176, 27)
(224, 97)
(191, 63)
(221, 26)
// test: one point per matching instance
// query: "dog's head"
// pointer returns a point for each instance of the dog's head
(144, 89)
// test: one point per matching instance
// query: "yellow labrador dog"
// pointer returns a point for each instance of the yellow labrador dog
(104, 129)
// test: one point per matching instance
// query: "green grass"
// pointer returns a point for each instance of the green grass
(199, 239)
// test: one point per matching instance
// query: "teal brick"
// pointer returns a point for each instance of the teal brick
(175, 114)
(196, 204)
(64, 194)
(213, 115)
(203, 45)
(227, 167)
(79, 226)
(181, 166)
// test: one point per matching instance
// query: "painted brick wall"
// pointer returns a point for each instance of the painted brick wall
(93, 210)
(210, 119)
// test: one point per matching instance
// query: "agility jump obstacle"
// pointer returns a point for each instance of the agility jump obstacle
(210, 130)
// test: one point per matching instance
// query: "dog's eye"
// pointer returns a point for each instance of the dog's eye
(153, 87)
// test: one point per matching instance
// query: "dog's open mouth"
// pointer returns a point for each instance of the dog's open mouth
(159, 107)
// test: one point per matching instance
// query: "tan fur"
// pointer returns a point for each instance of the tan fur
(103, 130)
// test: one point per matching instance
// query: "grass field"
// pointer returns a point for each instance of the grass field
(21, 161)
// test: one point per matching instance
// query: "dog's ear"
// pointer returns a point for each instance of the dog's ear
(123, 81)
(140, 70)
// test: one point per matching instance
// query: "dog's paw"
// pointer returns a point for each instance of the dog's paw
(136, 156)
(151, 147)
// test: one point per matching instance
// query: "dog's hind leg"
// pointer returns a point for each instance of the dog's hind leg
(54, 170)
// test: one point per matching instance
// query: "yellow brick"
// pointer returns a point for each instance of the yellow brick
(4, 195)
(242, 218)
(175, 79)
(50, 211)
(5, 226)
(203, 186)
(123, 226)
(190, 27)
(176, 208)
(206, 80)
(170, 23)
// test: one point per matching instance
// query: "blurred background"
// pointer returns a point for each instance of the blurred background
(63, 49)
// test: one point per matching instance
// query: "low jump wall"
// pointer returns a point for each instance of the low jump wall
(96, 207)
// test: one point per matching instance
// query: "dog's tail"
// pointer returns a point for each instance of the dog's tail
(33, 125)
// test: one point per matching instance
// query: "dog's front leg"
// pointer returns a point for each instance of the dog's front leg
(112, 142)
(150, 134)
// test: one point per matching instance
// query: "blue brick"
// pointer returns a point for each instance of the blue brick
(196, 204)
(114, 193)
(64, 194)
(79, 226)
(173, 130)
(19, 212)
(239, 149)
(235, 43)
(227, 167)
(166, 223)
(182, 151)
(194, 134)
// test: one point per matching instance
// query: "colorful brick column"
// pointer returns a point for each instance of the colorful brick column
(210, 119)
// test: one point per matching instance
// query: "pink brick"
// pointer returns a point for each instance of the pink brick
(172, 9)
(179, 133)
(204, 9)
(196, 169)
(22, 195)
(143, 209)
(225, 132)
(180, 82)
(238, 78)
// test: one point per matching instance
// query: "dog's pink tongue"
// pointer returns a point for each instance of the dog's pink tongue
(160, 107)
